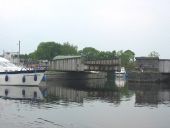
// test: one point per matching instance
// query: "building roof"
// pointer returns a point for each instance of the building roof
(65, 57)
(164, 60)
(147, 58)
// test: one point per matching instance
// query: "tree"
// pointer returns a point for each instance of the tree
(153, 54)
(106, 55)
(130, 55)
(119, 53)
(89, 53)
(23, 56)
(68, 49)
(101, 55)
(33, 55)
(127, 58)
(47, 50)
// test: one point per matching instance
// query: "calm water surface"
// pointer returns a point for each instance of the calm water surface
(88, 104)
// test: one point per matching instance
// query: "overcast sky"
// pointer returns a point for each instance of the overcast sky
(139, 25)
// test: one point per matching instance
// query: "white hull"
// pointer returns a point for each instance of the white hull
(122, 73)
(21, 78)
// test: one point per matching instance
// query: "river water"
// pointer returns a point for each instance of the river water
(95, 103)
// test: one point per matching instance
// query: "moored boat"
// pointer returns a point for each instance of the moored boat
(11, 74)
(122, 73)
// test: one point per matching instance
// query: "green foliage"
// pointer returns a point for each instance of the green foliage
(33, 55)
(68, 49)
(48, 50)
(127, 58)
(119, 53)
(153, 54)
(24, 56)
(89, 53)
(106, 55)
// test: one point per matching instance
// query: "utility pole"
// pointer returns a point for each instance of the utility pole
(19, 52)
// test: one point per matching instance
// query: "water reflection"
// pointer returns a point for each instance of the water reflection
(21, 92)
(120, 81)
(146, 94)
(150, 94)
(91, 103)
(113, 92)
(91, 89)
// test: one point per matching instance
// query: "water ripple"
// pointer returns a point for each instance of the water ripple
(50, 122)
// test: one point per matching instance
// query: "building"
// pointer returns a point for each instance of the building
(147, 63)
(150, 69)
(153, 64)
(12, 57)
(164, 65)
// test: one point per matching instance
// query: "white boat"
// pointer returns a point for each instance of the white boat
(122, 73)
(11, 74)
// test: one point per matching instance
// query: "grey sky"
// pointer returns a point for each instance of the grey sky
(139, 25)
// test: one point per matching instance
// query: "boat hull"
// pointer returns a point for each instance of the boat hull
(30, 78)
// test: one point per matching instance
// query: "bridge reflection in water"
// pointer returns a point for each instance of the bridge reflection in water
(150, 94)
(113, 92)
(80, 90)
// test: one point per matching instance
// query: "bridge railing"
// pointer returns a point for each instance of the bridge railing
(115, 62)
(104, 65)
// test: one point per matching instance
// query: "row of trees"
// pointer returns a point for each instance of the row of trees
(48, 50)
(127, 57)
